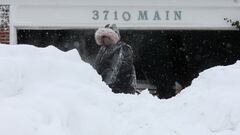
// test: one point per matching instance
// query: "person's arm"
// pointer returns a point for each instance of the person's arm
(127, 61)
(128, 68)
(98, 59)
(123, 60)
(115, 66)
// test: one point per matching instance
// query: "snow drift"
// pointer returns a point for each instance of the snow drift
(49, 92)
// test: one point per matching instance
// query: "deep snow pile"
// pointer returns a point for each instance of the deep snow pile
(49, 92)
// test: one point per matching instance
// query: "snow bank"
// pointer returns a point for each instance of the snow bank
(49, 92)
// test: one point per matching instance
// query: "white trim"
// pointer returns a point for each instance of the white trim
(58, 16)
(13, 29)
(123, 28)
(13, 35)
(132, 3)
(73, 14)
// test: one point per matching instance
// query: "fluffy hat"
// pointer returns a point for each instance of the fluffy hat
(110, 31)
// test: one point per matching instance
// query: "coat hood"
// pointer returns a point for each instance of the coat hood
(111, 32)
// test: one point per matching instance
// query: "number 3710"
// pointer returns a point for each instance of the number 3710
(106, 14)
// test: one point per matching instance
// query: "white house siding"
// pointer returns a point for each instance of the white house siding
(127, 14)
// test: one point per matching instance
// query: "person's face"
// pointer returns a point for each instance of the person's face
(106, 40)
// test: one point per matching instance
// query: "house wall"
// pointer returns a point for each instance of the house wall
(127, 14)
(134, 14)
(4, 36)
(4, 24)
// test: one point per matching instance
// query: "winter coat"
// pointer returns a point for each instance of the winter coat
(115, 64)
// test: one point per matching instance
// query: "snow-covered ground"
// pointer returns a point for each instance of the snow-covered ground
(49, 92)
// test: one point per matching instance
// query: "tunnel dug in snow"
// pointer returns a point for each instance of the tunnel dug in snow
(165, 61)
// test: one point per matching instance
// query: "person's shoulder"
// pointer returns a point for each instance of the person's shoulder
(127, 49)
(125, 46)
(101, 48)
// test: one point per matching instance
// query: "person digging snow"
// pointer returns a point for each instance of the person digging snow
(114, 61)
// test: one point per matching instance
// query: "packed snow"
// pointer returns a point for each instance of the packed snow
(44, 91)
